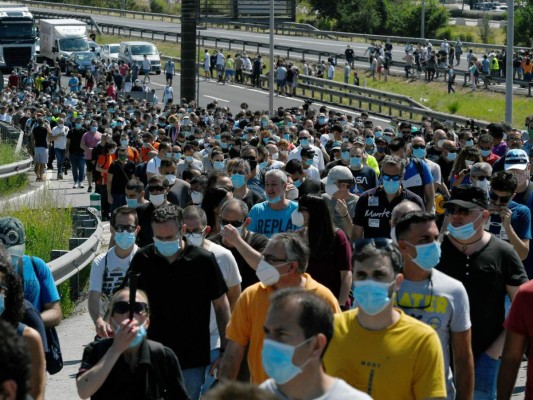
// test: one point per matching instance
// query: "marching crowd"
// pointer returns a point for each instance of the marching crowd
(305, 254)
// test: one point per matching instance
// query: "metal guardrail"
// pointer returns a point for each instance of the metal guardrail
(78, 258)
(283, 28)
(16, 168)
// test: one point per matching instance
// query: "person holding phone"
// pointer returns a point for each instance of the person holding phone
(461, 168)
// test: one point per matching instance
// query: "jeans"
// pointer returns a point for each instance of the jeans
(60, 157)
(119, 200)
(486, 374)
(193, 378)
(78, 167)
(208, 379)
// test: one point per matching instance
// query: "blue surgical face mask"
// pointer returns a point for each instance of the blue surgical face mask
(132, 203)
(463, 232)
(356, 162)
(167, 248)
(469, 143)
(217, 137)
(297, 183)
(451, 156)
(78, 126)
(484, 153)
(321, 121)
(309, 162)
(419, 153)
(218, 165)
(391, 187)
(177, 156)
(124, 240)
(345, 155)
(277, 360)
(372, 297)
(304, 142)
(427, 255)
(238, 180)
(168, 155)
(124, 143)
(371, 151)
(223, 145)
(141, 334)
(387, 138)
(369, 141)
(378, 134)
(287, 136)
(275, 200)
(2, 303)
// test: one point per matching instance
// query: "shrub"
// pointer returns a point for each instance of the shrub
(158, 6)
(453, 107)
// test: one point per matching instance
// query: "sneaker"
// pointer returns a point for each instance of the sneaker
(89, 189)
(75, 186)
(80, 185)
(60, 176)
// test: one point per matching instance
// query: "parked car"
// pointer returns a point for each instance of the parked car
(134, 52)
(110, 52)
(500, 8)
(94, 47)
(80, 61)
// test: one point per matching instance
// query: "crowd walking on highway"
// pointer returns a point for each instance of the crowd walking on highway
(303, 254)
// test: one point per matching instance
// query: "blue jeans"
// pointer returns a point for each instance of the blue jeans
(486, 375)
(60, 157)
(78, 167)
(209, 380)
(193, 378)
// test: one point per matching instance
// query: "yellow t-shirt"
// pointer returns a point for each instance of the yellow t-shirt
(404, 361)
(372, 163)
(248, 318)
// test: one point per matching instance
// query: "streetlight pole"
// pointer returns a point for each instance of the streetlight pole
(271, 54)
(509, 53)
(423, 20)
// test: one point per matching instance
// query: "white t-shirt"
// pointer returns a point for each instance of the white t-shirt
(146, 64)
(318, 159)
(230, 271)
(312, 174)
(153, 165)
(116, 271)
(340, 390)
(60, 137)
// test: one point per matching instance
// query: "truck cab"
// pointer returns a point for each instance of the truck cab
(134, 52)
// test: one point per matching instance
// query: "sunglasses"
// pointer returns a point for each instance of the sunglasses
(418, 146)
(378, 243)
(127, 228)
(123, 307)
(394, 178)
(236, 224)
(503, 199)
(422, 306)
(481, 178)
(451, 150)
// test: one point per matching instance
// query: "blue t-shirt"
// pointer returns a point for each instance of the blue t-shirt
(38, 289)
(267, 221)
(413, 180)
(520, 221)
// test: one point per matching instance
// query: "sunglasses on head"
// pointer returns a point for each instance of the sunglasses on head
(503, 199)
(123, 307)
(127, 228)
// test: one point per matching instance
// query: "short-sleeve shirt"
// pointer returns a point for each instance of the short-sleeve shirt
(246, 323)
(90, 140)
(485, 275)
(267, 221)
(373, 211)
(520, 222)
(122, 173)
(39, 286)
(520, 321)
(107, 282)
(180, 296)
(414, 180)
(448, 310)
(153, 166)
(340, 390)
(365, 179)
(403, 361)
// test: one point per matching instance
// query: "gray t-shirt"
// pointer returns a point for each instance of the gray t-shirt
(340, 390)
(448, 310)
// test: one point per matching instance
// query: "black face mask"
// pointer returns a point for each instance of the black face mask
(252, 162)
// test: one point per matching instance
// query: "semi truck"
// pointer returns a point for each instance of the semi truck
(59, 38)
(17, 36)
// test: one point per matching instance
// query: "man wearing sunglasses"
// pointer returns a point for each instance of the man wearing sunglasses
(108, 270)
(490, 269)
(508, 220)
(376, 347)
(182, 282)
(436, 299)
(374, 207)
(157, 189)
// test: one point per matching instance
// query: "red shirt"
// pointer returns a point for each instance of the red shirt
(491, 159)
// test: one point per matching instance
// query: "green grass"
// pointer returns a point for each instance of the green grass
(47, 228)
(13, 184)
(7, 154)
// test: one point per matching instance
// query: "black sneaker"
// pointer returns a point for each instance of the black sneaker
(89, 189)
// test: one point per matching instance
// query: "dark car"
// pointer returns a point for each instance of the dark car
(80, 61)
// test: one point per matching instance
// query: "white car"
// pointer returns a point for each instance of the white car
(110, 52)
(500, 8)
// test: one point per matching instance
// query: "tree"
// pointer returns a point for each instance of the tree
(523, 29)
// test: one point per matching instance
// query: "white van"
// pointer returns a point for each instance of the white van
(133, 53)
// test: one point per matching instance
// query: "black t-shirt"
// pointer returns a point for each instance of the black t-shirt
(145, 236)
(157, 371)
(485, 275)
(445, 170)
(39, 135)
(75, 135)
(180, 297)
(373, 211)
(309, 186)
(258, 242)
(433, 154)
(366, 178)
(122, 173)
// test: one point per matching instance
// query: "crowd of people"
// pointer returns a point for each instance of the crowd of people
(301, 252)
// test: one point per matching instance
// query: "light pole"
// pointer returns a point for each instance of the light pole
(509, 53)
(271, 54)
(423, 20)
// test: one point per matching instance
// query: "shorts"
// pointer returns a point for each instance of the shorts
(280, 82)
(90, 166)
(169, 75)
(230, 72)
(146, 71)
(41, 155)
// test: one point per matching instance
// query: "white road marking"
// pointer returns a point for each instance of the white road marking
(216, 98)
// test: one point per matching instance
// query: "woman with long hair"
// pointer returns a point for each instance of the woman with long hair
(330, 258)
(461, 168)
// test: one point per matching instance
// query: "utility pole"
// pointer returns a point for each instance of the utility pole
(509, 53)
(188, 50)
